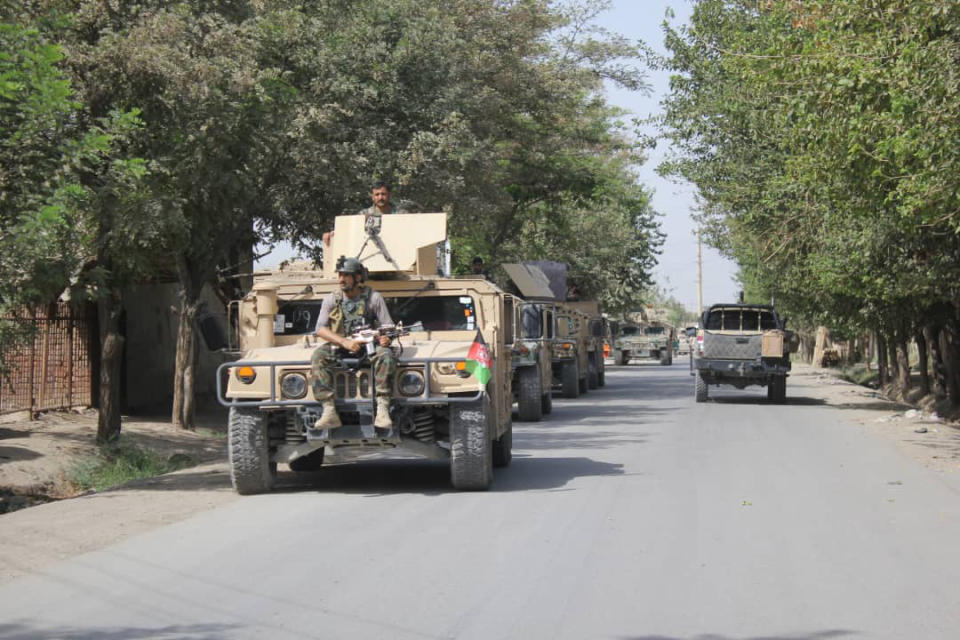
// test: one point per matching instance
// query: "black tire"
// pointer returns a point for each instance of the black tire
(503, 448)
(582, 383)
(471, 446)
(700, 388)
(570, 379)
(546, 401)
(251, 470)
(619, 358)
(310, 462)
(530, 393)
(777, 390)
(602, 374)
(593, 373)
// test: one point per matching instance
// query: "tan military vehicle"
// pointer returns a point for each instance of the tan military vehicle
(533, 345)
(438, 410)
(570, 362)
(646, 336)
(592, 332)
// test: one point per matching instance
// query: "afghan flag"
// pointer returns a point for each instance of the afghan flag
(479, 360)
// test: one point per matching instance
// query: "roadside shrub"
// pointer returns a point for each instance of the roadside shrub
(119, 463)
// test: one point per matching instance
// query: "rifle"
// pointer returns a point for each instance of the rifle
(371, 337)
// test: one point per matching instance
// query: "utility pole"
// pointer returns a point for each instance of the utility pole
(699, 276)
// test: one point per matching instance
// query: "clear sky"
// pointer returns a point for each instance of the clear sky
(677, 271)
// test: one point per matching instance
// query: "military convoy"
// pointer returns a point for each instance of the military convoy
(439, 409)
(742, 345)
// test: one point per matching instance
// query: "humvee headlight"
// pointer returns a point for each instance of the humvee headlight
(411, 383)
(567, 346)
(246, 375)
(293, 386)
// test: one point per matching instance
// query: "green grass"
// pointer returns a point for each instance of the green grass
(859, 374)
(119, 463)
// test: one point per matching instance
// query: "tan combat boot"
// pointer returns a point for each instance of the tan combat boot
(383, 413)
(329, 418)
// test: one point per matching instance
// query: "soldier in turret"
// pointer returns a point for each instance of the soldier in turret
(380, 196)
(343, 312)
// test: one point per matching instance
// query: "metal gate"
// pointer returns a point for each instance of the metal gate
(54, 369)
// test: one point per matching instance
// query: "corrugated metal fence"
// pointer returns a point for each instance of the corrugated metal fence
(54, 371)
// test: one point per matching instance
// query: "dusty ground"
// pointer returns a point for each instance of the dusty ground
(33, 456)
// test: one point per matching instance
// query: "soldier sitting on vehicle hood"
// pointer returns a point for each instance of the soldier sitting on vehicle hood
(343, 312)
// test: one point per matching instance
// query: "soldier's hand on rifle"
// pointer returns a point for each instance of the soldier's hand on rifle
(385, 341)
(350, 345)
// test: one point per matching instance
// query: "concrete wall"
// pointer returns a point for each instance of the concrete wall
(151, 346)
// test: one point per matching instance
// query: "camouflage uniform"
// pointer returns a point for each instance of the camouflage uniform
(348, 314)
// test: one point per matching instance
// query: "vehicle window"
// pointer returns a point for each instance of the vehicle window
(628, 331)
(437, 313)
(296, 317)
(751, 320)
(715, 320)
(767, 320)
(731, 319)
(531, 326)
(653, 331)
(596, 328)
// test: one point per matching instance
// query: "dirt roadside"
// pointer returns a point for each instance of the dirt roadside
(35, 453)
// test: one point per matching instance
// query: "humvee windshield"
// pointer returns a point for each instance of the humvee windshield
(628, 331)
(741, 320)
(437, 313)
(296, 317)
(653, 331)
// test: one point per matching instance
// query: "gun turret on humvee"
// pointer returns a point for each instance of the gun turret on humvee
(438, 408)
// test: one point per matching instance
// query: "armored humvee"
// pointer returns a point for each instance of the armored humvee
(592, 333)
(742, 345)
(654, 341)
(570, 361)
(439, 409)
(533, 345)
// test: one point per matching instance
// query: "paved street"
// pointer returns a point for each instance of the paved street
(630, 513)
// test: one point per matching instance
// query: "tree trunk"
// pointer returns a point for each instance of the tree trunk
(883, 371)
(183, 376)
(191, 284)
(922, 361)
(931, 334)
(951, 355)
(823, 341)
(903, 362)
(111, 353)
(806, 347)
(892, 363)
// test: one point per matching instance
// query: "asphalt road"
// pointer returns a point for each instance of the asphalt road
(631, 513)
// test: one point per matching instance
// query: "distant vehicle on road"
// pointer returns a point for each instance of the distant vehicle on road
(742, 345)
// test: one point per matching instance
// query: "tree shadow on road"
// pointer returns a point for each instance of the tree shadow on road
(22, 631)
(813, 635)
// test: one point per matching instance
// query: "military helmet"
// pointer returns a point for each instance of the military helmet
(350, 265)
